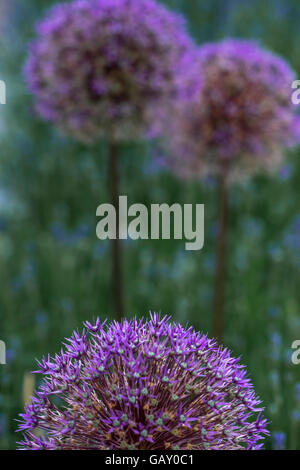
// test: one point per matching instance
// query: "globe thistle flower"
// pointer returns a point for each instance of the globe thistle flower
(243, 117)
(142, 385)
(109, 67)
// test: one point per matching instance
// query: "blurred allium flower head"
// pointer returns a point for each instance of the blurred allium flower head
(242, 119)
(109, 67)
(142, 385)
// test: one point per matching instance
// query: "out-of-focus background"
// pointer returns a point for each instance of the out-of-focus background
(54, 272)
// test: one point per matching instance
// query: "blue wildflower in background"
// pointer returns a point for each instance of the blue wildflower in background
(279, 441)
(291, 241)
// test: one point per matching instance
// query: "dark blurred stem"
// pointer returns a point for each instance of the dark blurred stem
(116, 258)
(220, 274)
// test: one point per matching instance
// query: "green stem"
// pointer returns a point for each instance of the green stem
(113, 183)
(220, 275)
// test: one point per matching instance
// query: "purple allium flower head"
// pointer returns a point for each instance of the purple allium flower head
(142, 385)
(109, 67)
(243, 117)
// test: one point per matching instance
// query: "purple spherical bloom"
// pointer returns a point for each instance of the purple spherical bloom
(243, 117)
(109, 67)
(143, 385)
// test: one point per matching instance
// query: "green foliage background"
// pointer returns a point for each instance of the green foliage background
(54, 273)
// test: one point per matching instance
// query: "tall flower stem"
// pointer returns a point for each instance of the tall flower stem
(220, 274)
(116, 273)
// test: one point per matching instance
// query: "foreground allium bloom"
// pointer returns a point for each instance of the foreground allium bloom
(143, 385)
(243, 117)
(109, 67)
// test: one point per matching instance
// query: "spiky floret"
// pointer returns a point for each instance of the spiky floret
(109, 67)
(142, 385)
(243, 117)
